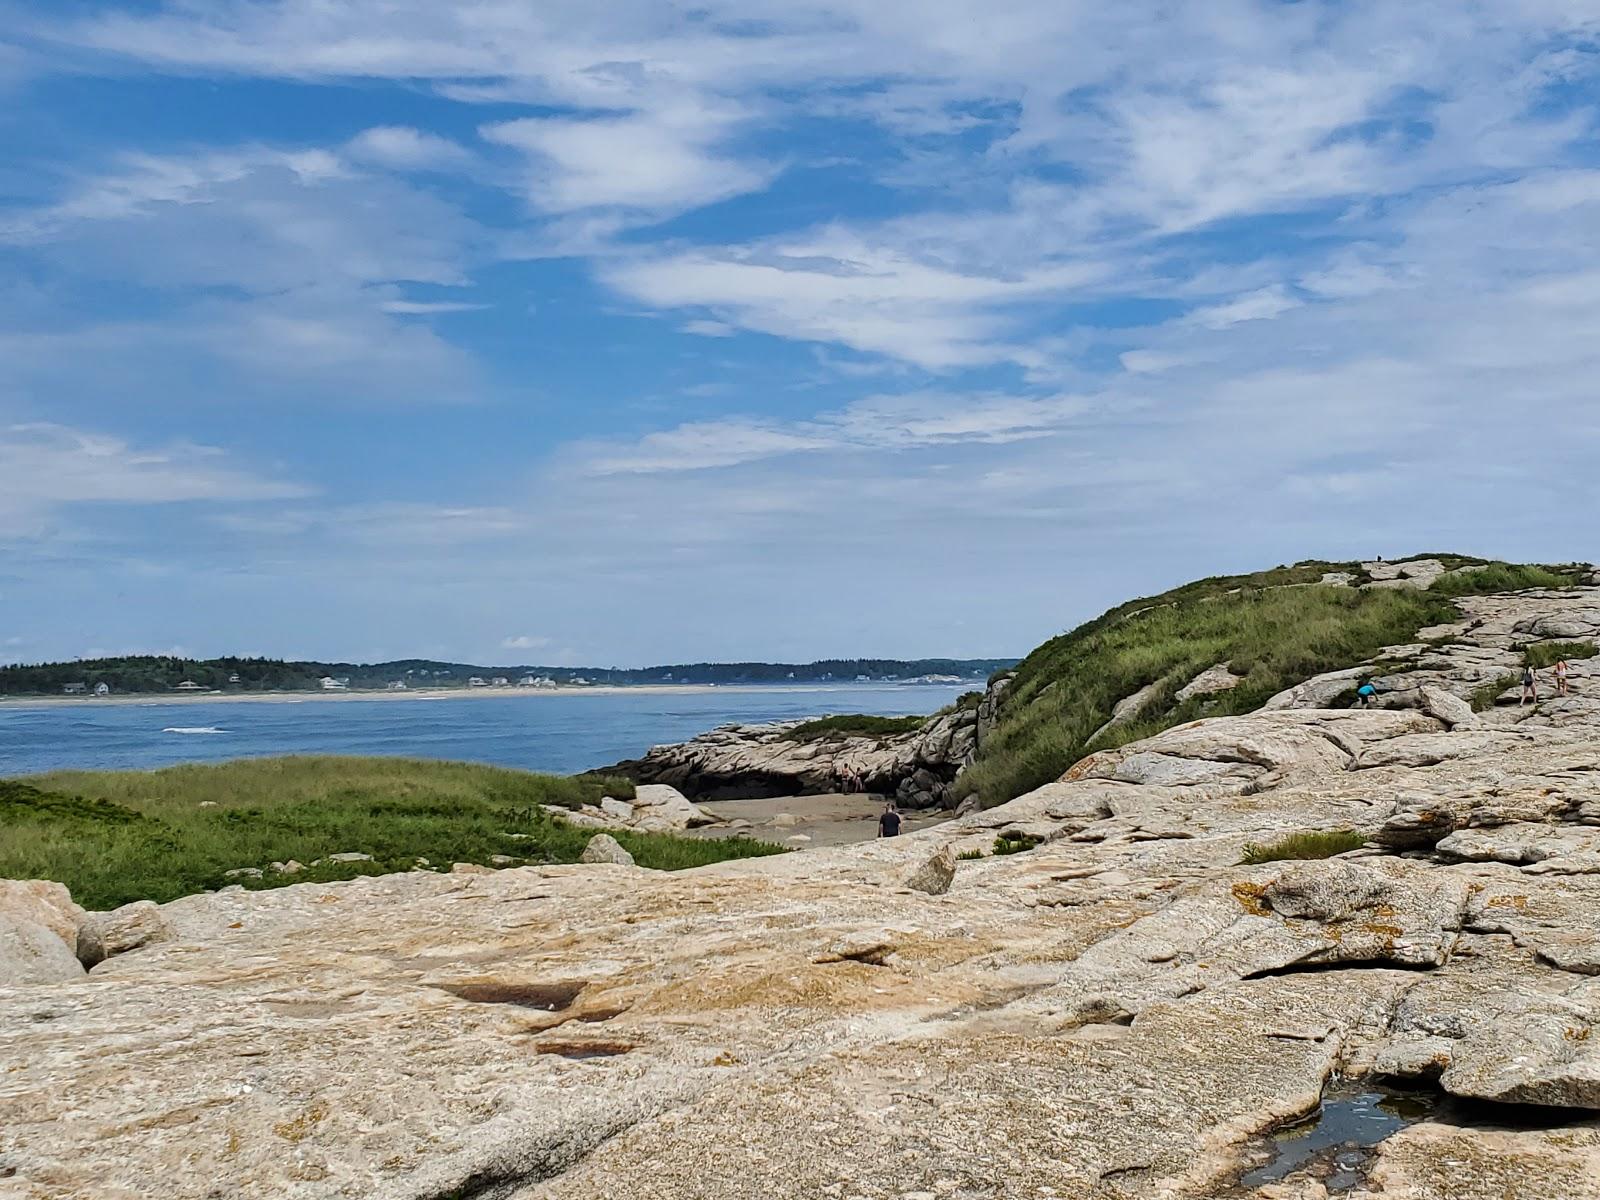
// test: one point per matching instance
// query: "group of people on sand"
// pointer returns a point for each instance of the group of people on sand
(850, 779)
(1367, 694)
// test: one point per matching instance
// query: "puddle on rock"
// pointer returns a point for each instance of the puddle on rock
(1335, 1144)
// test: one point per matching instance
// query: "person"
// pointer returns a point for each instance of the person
(1366, 693)
(889, 821)
(1561, 677)
(1530, 687)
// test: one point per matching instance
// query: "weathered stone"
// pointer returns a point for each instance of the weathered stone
(603, 848)
(1208, 683)
(620, 809)
(30, 953)
(935, 875)
(1447, 707)
(1117, 1014)
(104, 935)
(43, 902)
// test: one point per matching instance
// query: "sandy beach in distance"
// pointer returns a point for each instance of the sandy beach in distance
(682, 689)
(372, 694)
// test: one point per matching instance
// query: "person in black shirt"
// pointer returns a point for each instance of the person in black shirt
(889, 821)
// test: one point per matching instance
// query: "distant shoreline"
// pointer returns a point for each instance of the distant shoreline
(502, 693)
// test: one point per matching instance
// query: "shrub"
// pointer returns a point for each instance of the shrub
(844, 725)
(1485, 694)
(1015, 843)
(1318, 844)
(1539, 655)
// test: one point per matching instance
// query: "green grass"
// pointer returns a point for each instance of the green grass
(1015, 843)
(1539, 655)
(1499, 577)
(846, 725)
(1319, 844)
(117, 836)
(1272, 635)
(1485, 694)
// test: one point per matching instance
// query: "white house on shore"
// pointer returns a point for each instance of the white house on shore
(74, 689)
(102, 689)
(477, 681)
(330, 684)
(188, 685)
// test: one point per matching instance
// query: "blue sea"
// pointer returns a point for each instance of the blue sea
(559, 732)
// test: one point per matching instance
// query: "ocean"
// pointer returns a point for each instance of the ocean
(558, 732)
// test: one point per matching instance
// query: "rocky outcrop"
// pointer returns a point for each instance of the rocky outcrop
(1121, 1012)
(655, 808)
(603, 848)
(738, 762)
(104, 935)
(31, 953)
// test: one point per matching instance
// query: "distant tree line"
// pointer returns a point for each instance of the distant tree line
(163, 673)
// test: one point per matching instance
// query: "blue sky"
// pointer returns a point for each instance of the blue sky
(638, 332)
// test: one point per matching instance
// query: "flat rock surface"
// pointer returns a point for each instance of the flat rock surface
(1123, 1011)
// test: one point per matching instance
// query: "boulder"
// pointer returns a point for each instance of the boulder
(935, 875)
(348, 856)
(1447, 707)
(1209, 682)
(620, 809)
(665, 804)
(31, 953)
(43, 902)
(104, 935)
(603, 848)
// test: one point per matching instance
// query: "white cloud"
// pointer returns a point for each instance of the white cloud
(834, 287)
(424, 308)
(404, 148)
(878, 423)
(524, 641)
(49, 467)
(659, 162)
(1261, 305)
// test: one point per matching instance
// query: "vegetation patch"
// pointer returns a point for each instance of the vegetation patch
(1486, 694)
(1273, 634)
(847, 725)
(1539, 655)
(117, 836)
(1318, 844)
(1015, 843)
(1500, 577)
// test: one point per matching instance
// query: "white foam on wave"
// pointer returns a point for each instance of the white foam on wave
(193, 729)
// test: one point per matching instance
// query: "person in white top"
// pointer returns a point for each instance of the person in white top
(1561, 677)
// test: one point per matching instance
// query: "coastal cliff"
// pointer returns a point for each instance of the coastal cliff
(1144, 979)
(737, 762)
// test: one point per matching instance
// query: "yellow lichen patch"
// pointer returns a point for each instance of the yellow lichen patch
(1252, 898)
(1504, 901)
(299, 1128)
(1578, 1033)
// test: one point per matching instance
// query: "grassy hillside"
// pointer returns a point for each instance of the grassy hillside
(116, 836)
(1275, 628)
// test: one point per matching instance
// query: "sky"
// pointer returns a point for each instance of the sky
(636, 332)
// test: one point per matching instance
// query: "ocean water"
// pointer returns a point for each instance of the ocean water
(561, 732)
